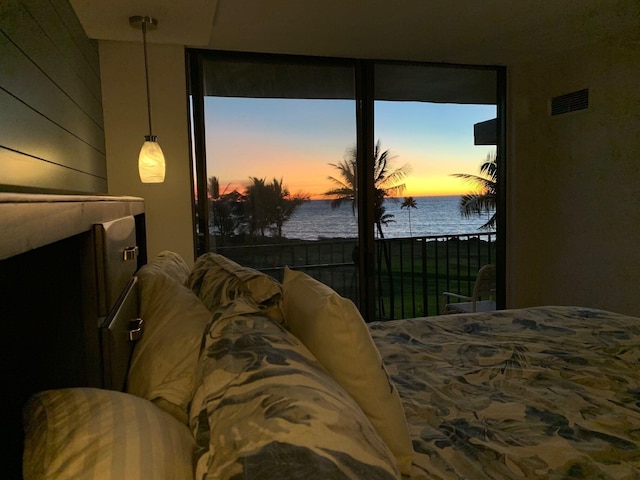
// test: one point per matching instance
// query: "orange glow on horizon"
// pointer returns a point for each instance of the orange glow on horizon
(308, 174)
(443, 185)
(299, 142)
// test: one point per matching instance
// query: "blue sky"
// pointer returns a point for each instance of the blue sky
(296, 140)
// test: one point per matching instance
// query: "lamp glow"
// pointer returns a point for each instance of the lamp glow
(151, 165)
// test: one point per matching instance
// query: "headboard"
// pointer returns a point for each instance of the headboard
(59, 290)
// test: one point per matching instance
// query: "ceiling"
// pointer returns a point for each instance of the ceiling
(490, 32)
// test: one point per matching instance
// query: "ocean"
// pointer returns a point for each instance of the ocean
(316, 219)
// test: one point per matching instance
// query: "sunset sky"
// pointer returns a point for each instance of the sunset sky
(295, 140)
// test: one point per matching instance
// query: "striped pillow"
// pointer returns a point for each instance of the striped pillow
(89, 433)
(164, 362)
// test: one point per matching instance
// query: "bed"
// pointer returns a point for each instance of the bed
(545, 392)
(237, 375)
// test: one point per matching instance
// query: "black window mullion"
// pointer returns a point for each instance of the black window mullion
(365, 187)
(501, 187)
(196, 88)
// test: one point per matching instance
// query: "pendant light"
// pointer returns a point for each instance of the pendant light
(151, 165)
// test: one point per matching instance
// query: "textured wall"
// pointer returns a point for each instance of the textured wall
(51, 126)
(574, 181)
(168, 209)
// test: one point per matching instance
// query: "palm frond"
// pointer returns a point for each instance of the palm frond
(483, 201)
(408, 203)
(385, 181)
(483, 183)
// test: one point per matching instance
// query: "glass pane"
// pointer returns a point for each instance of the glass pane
(275, 131)
(425, 118)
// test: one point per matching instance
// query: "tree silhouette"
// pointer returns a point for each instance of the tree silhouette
(409, 203)
(385, 180)
(213, 188)
(263, 207)
(256, 206)
(483, 201)
(284, 204)
(269, 205)
(225, 211)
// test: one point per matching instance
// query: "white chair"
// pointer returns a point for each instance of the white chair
(482, 298)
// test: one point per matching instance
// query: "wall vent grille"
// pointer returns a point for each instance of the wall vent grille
(570, 102)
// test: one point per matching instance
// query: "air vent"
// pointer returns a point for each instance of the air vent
(570, 102)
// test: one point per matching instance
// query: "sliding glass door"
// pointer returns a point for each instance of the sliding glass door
(427, 172)
(279, 157)
(345, 169)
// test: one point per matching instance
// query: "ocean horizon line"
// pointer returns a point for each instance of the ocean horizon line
(399, 198)
(432, 215)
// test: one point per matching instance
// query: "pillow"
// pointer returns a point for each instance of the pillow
(218, 280)
(265, 408)
(172, 264)
(89, 433)
(164, 361)
(332, 328)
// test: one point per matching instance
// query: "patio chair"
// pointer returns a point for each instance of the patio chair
(482, 298)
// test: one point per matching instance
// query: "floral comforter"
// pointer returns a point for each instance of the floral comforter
(539, 393)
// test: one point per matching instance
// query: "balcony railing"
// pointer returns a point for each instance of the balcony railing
(411, 273)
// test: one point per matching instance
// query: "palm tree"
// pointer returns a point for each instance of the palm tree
(409, 203)
(384, 180)
(256, 205)
(284, 204)
(224, 209)
(269, 205)
(213, 189)
(484, 200)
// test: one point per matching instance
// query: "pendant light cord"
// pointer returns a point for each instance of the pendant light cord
(146, 72)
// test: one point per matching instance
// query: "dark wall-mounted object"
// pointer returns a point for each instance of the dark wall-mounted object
(486, 133)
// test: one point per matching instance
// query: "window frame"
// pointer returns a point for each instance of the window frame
(364, 74)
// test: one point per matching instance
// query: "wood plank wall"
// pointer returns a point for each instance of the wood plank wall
(51, 124)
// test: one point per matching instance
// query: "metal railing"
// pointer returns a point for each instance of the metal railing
(411, 273)
(329, 261)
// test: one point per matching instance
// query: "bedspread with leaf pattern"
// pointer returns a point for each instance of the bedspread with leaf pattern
(264, 408)
(538, 393)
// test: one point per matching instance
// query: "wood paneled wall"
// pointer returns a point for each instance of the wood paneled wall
(51, 122)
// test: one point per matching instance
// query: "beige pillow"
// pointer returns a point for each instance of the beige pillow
(89, 433)
(164, 361)
(218, 280)
(172, 264)
(333, 330)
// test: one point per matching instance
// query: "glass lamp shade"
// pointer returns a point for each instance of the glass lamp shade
(151, 162)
